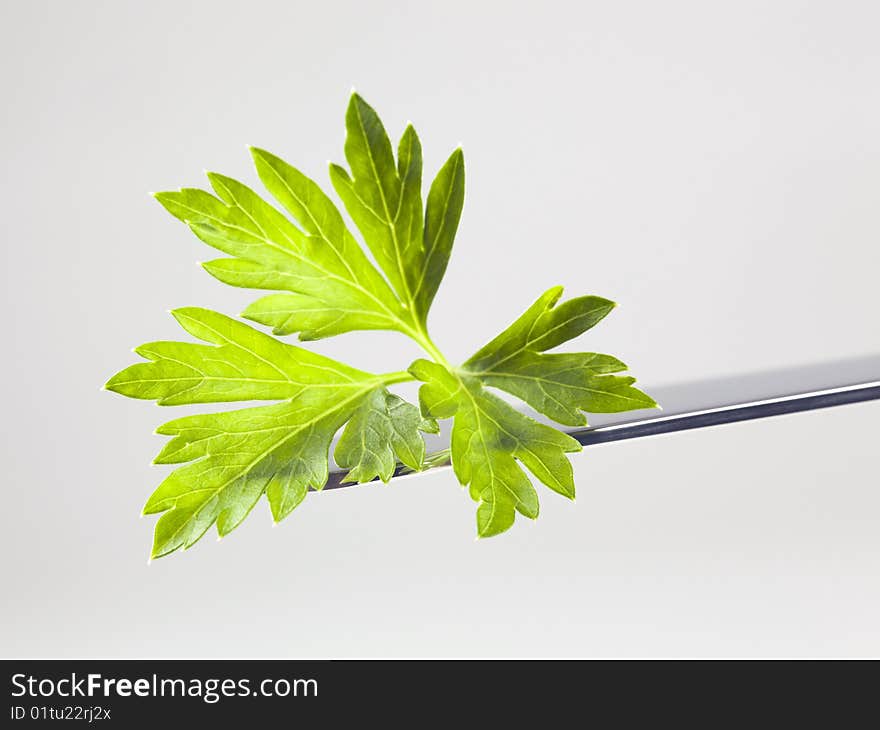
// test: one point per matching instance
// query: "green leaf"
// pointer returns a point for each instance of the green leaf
(329, 240)
(373, 193)
(245, 365)
(330, 285)
(489, 438)
(384, 200)
(445, 201)
(237, 455)
(543, 326)
(383, 430)
(231, 458)
(322, 283)
(289, 313)
(339, 288)
(561, 386)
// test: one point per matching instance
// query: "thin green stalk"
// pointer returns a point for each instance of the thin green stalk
(420, 336)
(399, 376)
(428, 346)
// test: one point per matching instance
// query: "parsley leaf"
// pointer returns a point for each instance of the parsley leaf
(383, 426)
(281, 449)
(385, 201)
(561, 386)
(335, 287)
(326, 284)
(488, 436)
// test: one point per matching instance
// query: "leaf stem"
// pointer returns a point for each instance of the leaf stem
(427, 344)
(400, 376)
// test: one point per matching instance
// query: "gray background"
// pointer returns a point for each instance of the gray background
(714, 167)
